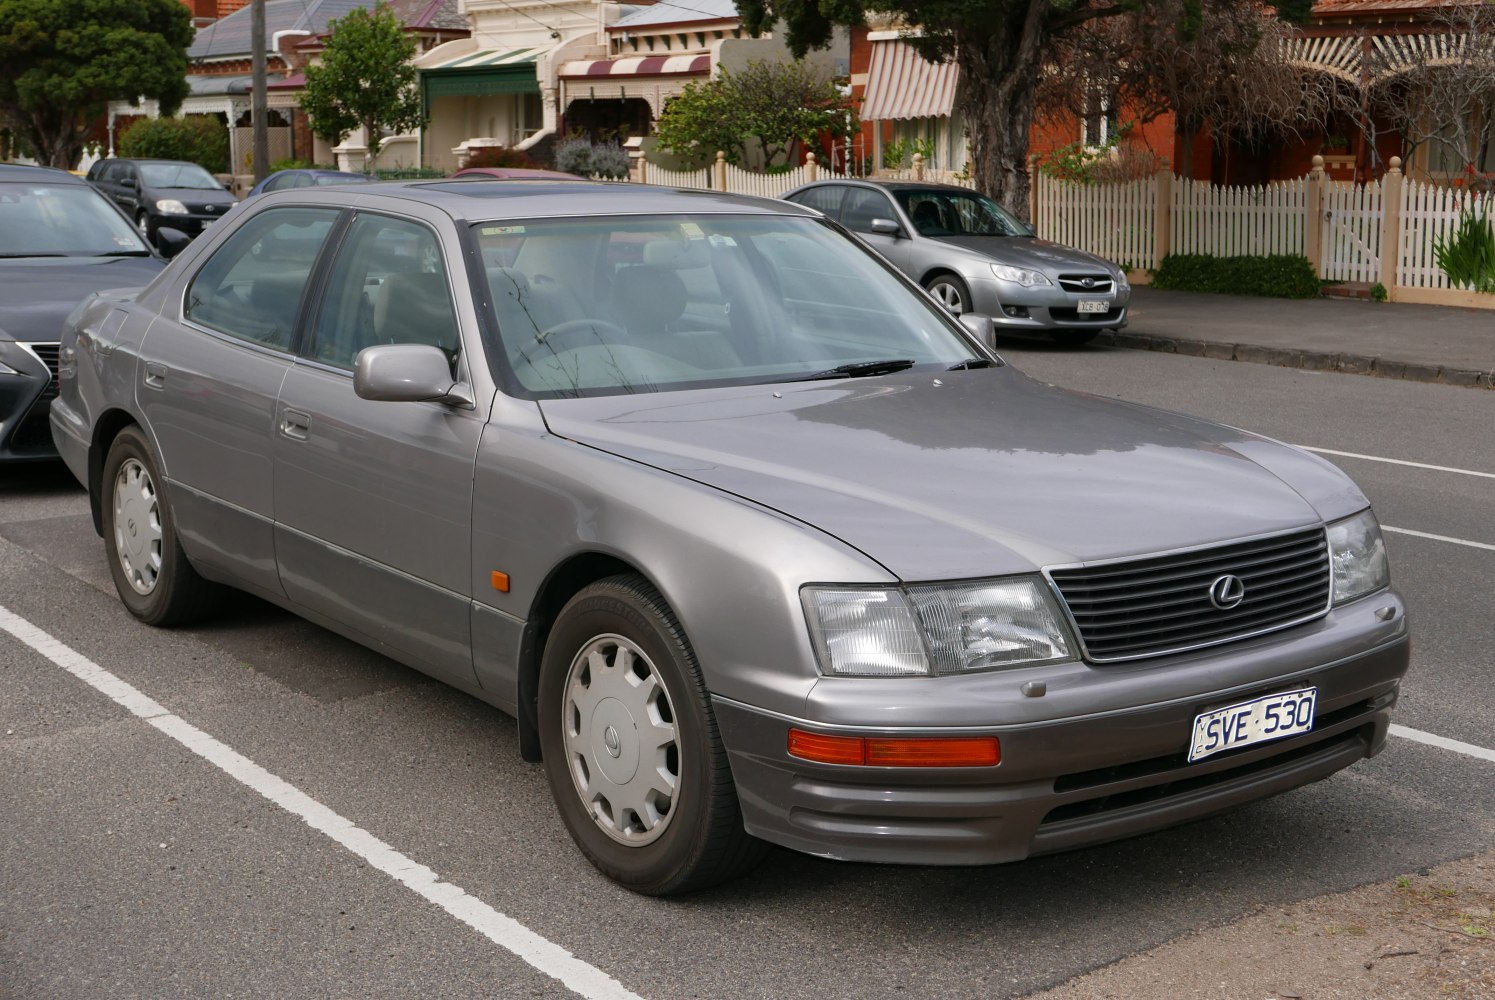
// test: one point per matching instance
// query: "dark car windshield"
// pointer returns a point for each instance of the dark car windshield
(178, 175)
(42, 219)
(642, 304)
(937, 212)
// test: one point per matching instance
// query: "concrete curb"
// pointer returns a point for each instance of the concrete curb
(1319, 361)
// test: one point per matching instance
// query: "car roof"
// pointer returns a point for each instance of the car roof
(885, 183)
(22, 172)
(471, 201)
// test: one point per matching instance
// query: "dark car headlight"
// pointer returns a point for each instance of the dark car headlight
(935, 629)
(1357, 553)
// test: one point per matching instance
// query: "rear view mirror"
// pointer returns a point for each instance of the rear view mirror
(407, 373)
(887, 227)
(129, 182)
(980, 327)
(171, 241)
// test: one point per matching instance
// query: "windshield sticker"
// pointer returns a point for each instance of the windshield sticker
(692, 231)
(718, 240)
(503, 230)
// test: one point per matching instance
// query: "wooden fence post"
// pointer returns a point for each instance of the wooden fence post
(1162, 237)
(1032, 185)
(643, 169)
(1391, 225)
(721, 170)
(1313, 218)
(811, 171)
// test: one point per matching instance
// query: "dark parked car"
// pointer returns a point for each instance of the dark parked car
(283, 180)
(59, 241)
(758, 542)
(160, 193)
(974, 256)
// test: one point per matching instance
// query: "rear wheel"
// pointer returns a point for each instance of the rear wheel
(951, 292)
(631, 748)
(151, 572)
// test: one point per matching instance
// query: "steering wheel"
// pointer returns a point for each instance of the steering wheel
(583, 331)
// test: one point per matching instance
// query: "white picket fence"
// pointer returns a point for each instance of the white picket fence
(1431, 213)
(1258, 220)
(1117, 221)
(724, 176)
(679, 178)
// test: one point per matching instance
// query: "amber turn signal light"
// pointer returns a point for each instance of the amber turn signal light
(879, 751)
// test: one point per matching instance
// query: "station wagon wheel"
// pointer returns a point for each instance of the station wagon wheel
(154, 579)
(631, 748)
(951, 293)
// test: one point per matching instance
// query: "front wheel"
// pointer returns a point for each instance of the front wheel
(631, 749)
(951, 293)
(143, 224)
(151, 572)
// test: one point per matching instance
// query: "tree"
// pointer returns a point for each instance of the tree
(200, 139)
(779, 103)
(365, 79)
(65, 60)
(1001, 48)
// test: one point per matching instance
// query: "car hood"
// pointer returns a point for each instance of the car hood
(37, 293)
(1022, 251)
(973, 473)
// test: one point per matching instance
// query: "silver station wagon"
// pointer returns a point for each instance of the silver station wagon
(758, 543)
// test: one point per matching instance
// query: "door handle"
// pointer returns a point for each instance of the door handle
(155, 375)
(295, 424)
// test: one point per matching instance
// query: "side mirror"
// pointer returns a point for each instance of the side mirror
(887, 227)
(1032, 229)
(171, 241)
(407, 373)
(129, 182)
(980, 327)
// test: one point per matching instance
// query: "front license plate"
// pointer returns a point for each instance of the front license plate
(1269, 718)
(1095, 305)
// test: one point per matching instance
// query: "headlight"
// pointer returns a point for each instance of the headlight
(1020, 275)
(170, 206)
(936, 629)
(1121, 283)
(1358, 555)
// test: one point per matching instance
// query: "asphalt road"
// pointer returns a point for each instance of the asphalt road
(133, 867)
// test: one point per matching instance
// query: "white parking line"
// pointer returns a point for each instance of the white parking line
(1443, 743)
(1399, 461)
(545, 956)
(1439, 538)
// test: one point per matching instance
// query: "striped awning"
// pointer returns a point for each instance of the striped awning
(903, 84)
(698, 65)
(486, 59)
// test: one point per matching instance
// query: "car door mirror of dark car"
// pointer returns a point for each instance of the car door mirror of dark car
(171, 241)
(980, 327)
(129, 182)
(408, 373)
(886, 226)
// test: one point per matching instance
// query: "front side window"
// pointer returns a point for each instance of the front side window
(862, 206)
(388, 285)
(599, 306)
(950, 212)
(251, 287)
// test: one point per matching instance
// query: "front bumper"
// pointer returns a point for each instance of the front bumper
(1013, 307)
(25, 399)
(1080, 777)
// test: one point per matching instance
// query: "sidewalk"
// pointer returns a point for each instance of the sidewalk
(1391, 340)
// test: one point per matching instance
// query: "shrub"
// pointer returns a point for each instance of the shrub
(200, 139)
(498, 156)
(1286, 276)
(609, 160)
(574, 156)
(592, 159)
(409, 173)
(1467, 255)
(280, 165)
(1378, 292)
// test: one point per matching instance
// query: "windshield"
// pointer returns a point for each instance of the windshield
(937, 212)
(636, 304)
(178, 175)
(67, 220)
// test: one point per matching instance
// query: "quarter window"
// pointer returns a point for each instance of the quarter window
(387, 286)
(251, 287)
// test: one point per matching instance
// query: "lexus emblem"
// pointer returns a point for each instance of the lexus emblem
(1227, 591)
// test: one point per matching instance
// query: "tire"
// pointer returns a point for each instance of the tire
(951, 292)
(620, 688)
(1073, 338)
(151, 572)
(144, 227)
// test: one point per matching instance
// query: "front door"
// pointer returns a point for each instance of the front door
(373, 500)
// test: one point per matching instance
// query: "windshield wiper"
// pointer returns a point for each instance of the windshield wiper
(123, 253)
(856, 369)
(970, 363)
(10, 256)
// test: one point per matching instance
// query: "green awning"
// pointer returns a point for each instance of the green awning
(480, 73)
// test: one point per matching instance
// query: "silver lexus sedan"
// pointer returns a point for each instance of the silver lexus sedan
(973, 256)
(757, 542)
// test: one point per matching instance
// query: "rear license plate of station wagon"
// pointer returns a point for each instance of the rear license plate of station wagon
(1257, 721)
(1094, 306)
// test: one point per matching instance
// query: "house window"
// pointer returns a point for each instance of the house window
(1099, 126)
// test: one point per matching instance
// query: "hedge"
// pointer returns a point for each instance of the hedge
(1286, 276)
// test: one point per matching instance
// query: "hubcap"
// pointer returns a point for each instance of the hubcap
(949, 297)
(621, 749)
(143, 224)
(137, 526)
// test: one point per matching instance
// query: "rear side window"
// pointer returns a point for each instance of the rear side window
(823, 199)
(251, 287)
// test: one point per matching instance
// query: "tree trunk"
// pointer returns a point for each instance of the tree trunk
(56, 138)
(999, 117)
